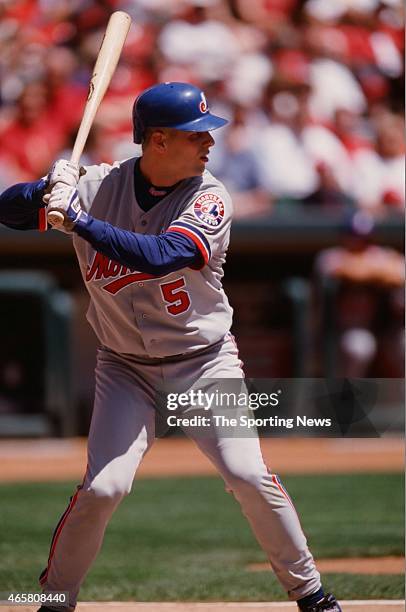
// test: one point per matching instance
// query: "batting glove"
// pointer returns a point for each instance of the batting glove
(66, 172)
(65, 200)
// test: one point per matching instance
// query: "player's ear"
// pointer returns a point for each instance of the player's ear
(158, 140)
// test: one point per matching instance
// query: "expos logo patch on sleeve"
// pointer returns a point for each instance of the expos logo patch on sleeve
(209, 209)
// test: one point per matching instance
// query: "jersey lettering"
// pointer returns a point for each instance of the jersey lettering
(177, 298)
(103, 267)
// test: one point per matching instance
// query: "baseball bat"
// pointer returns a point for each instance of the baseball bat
(106, 62)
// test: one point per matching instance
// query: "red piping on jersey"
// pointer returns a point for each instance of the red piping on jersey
(42, 220)
(202, 248)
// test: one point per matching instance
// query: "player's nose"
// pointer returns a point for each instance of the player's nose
(208, 139)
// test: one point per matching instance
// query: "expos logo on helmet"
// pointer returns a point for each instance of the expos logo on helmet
(203, 106)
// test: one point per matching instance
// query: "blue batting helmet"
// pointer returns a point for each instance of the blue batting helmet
(174, 105)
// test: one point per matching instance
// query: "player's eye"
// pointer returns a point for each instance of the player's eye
(194, 136)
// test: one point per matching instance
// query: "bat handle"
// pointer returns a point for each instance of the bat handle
(55, 217)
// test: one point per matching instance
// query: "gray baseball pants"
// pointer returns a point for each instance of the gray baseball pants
(123, 430)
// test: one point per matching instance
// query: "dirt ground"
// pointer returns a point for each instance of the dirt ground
(63, 459)
(348, 606)
(355, 565)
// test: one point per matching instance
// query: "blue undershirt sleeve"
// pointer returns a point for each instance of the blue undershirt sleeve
(155, 255)
(20, 203)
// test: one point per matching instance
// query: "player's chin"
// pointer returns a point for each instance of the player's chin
(201, 165)
(197, 170)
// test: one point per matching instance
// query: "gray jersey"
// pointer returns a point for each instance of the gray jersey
(148, 316)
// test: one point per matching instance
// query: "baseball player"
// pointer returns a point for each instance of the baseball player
(151, 235)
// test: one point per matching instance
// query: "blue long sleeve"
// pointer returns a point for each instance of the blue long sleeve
(155, 255)
(20, 203)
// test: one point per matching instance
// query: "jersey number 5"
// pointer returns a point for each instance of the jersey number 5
(178, 300)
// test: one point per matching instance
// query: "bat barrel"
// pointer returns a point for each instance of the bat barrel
(106, 62)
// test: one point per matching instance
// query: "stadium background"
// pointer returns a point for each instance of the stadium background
(314, 159)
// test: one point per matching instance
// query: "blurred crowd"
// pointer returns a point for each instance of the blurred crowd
(313, 89)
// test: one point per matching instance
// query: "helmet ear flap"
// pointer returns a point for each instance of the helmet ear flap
(138, 127)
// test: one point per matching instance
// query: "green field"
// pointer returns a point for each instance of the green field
(185, 538)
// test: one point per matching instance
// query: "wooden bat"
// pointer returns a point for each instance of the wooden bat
(106, 62)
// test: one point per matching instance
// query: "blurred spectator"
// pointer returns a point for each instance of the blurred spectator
(237, 165)
(65, 94)
(354, 131)
(333, 85)
(329, 72)
(247, 79)
(379, 172)
(208, 46)
(272, 16)
(355, 42)
(32, 136)
(369, 302)
(298, 159)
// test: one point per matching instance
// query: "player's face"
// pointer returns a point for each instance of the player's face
(189, 151)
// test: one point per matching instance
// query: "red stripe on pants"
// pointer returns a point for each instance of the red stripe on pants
(57, 534)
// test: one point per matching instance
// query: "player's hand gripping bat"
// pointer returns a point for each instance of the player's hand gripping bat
(107, 60)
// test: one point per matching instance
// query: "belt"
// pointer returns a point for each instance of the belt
(167, 359)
